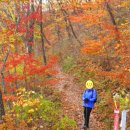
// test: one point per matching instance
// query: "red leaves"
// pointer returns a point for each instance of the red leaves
(35, 70)
(31, 66)
(21, 29)
(13, 78)
(10, 78)
(51, 81)
(8, 97)
(11, 89)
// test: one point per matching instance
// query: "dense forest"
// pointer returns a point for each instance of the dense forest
(49, 49)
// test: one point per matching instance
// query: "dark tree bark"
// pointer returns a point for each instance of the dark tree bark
(2, 111)
(31, 30)
(108, 7)
(29, 38)
(68, 22)
(42, 36)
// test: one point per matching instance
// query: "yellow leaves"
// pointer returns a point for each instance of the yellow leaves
(100, 1)
(126, 100)
(3, 35)
(59, 20)
(22, 93)
(4, 0)
(32, 103)
(20, 69)
(26, 1)
(31, 111)
(8, 36)
(11, 12)
(12, 47)
(25, 104)
(7, 1)
(122, 99)
(124, 3)
(21, 90)
(12, 39)
(29, 120)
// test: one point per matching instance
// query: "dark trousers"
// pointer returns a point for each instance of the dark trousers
(87, 111)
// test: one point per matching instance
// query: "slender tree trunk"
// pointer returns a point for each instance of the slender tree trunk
(68, 22)
(42, 38)
(2, 111)
(29, 38)
(31, 30)
(17, 20)
(113, 21)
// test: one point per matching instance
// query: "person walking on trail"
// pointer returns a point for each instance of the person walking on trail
(89, 97)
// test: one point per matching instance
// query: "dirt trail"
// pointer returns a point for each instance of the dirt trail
(71, 100)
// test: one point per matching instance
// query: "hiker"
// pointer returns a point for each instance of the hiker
(89, 97)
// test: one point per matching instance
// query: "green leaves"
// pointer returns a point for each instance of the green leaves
(66, 123)
(32, 108)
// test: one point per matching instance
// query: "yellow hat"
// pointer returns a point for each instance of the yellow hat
(89, 84)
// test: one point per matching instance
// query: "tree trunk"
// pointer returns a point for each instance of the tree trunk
(2, 111)
(68, 23)
(113, 22)
(42, 38)
(29, 38)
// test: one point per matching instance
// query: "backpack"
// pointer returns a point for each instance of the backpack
(96, 96)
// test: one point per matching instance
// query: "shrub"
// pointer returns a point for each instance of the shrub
(68, 63)
(32, 110)
(66, 124)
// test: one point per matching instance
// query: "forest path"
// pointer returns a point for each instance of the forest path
(71, 100)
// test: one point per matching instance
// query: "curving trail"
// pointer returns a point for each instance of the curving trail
(71, 100)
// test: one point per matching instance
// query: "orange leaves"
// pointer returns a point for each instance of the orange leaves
(92, 13)
(117, 46)
(121, 75)
(108, 26)
(92, 19)
(110, 74)
(78, 18)
(88, 19)
(92, 47)
(68, 7)
(89, 5)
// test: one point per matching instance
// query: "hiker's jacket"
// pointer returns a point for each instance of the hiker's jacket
(89, 96)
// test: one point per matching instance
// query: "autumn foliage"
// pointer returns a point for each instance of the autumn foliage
(92, 35)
